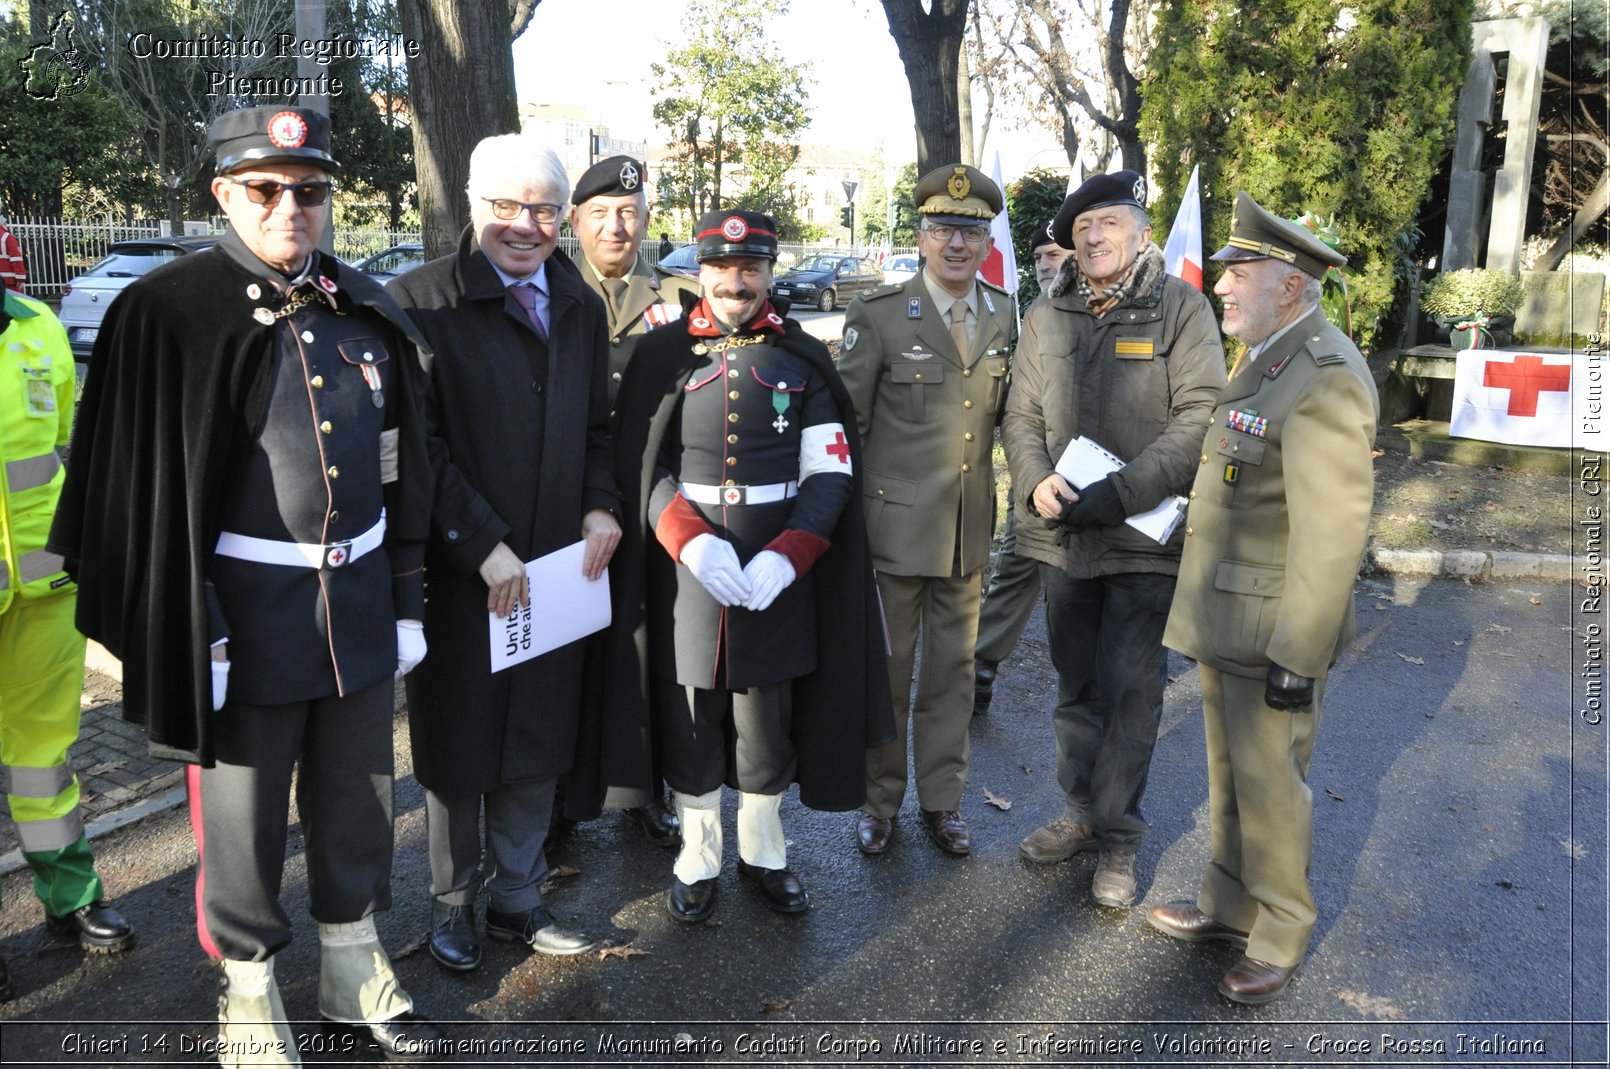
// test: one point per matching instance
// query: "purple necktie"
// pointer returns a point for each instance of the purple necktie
(526, 295)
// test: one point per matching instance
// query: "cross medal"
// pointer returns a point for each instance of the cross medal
(779, 401)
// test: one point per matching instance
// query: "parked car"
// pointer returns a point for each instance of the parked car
(387, 264)
(682, 262)
(827, 281)
(898, 269)
(85, 299)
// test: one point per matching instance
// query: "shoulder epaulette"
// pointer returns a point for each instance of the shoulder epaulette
(992, 286)
(883, 291)
(1323, 354)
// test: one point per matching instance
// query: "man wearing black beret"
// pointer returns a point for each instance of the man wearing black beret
(246, 512)
(1123, 354)
(1279, 515)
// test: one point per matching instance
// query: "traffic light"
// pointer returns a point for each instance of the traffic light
(847, 216)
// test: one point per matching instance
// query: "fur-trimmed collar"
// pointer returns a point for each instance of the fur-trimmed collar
(1150, 271)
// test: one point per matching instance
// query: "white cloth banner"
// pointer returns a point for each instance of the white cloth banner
(1522, 398)
(1182, 256)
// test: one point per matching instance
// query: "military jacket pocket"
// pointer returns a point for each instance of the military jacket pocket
(883, 492)
(1249, 621)
(916, 376)
(363, 352)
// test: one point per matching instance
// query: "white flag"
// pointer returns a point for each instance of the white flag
(1000, 266)
(1182, 256)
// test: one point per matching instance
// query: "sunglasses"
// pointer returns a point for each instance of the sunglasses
(267, 191)
(510, 209)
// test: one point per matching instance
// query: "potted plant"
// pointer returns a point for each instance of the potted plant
(1473, 301)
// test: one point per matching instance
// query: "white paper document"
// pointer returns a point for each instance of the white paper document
(565, 606)
(1084, 462)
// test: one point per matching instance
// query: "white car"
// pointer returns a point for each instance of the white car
(85, 299)
(898, 269)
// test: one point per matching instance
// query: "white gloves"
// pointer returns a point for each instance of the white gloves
(410, 645)
(769, 572)
(220, 684)
(714, 564)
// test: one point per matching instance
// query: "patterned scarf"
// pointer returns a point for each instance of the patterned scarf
(1101, 304)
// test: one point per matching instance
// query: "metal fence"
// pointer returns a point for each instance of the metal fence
(56, 252)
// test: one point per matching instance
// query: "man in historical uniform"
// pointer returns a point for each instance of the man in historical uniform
(1014, 585)
(517, 412)
(1278, 519)
(763, 647)
(245, 512)
(610, 220)
(1127, 356)
(41, 652)
(926, 362)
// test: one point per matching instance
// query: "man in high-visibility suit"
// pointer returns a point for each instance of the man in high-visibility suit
(41, 652)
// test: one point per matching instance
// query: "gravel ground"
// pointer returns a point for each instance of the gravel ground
(1426, 504)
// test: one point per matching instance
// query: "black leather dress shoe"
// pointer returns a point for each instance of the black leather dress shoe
(404, 1038)
(537, 929)
(873, 834)
(98, 927)
(453, 942)
(658, 823)
(691, 903)
(783, 890)
(983, 686)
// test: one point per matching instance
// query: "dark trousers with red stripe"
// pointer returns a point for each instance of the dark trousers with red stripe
(240, 809)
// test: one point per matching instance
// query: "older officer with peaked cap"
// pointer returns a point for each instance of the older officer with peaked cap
(926, 362)
(744, 585)
(1014, 585)
(245, 512)
(1277, 525)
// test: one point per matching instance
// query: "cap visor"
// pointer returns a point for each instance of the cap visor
(1230, 252)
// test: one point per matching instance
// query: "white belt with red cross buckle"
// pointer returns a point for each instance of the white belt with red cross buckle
(302, 554)
(766, 494)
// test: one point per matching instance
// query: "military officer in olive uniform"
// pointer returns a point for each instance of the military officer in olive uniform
(610, 220)
(1277, 525)
(926, 364)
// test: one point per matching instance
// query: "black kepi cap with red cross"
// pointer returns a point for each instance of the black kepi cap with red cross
(735, 233)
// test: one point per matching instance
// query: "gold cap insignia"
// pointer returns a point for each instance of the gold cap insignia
(959, 185)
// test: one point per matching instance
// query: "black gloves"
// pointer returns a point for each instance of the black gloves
(1098, 506)
(1288, 690)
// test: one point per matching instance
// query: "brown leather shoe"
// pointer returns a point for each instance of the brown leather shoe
(948, 830)
(873, 833)
(1182, 920)
(1253, 982)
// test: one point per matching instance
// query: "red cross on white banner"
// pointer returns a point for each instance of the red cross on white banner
(1525, 377)
(1526, 398)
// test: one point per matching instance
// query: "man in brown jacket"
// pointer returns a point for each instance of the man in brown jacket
(1279, 515)
(925, 362)
(1129, 357)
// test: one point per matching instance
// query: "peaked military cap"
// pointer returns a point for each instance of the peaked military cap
(285, 134)
(735, 233)
(958, 194)
(1097, 191)
(617, 176)
(1255, 234)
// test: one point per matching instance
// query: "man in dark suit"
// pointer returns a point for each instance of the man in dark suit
(1278, 519)
(517, 412)
(245, 511)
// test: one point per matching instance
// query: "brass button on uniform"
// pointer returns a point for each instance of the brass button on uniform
(967, 372)
(1204, 458)
(732, 439)
(732, 417)
(967, 437)
(918, 376)
(1189, 531)
(335, 472)
(967, 404)
(307, 335)
(733, 395)
(967, 467)
(368, 358)
(335, 515)
(616, 376)
(732, 462)
(732, 374)
(880, 493)
(730, 482)
(326, 426)
(317, 382)
(1193, 495)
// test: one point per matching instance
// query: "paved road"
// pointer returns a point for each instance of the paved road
(1460, 871)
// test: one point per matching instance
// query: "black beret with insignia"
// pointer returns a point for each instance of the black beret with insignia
(1042, 236)
(735, 233)
(285, 134)
(617, 176)
(1255, 234)
(1098, 191)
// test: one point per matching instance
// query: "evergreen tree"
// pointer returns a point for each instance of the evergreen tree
(1309, 105)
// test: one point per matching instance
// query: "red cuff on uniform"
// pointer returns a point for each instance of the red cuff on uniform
(800, 547)
(678, 525)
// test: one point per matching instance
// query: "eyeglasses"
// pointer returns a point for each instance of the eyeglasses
(973, 235)
(267, 191)
(510, 209)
